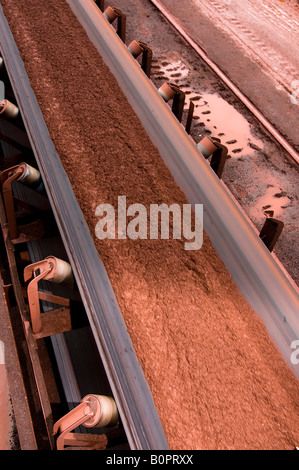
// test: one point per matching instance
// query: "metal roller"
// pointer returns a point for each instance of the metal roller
(110, 14)
(30, 176)
(93, 411)
(166, 91)
(135, 48)
(50, 269)
(104, 411)
(207, 147)
(8, 109)
(61, 272)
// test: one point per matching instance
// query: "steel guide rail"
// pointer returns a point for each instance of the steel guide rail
(128, 384)
(256, 272)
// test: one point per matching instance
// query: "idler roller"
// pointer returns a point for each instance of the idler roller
(30, 176)
(104, 411)
(93, 411)
(170, 90)
(22, 173)
(167, 92)
(51, 269)
(110, 14)
(135, 48)
(207, 147)
(8, 109)
(61, 271)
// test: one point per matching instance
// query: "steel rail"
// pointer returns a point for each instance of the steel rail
(255, 271)
(128, 384)
(261, 118)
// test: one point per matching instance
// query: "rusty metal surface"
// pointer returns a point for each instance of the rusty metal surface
(25, 438)
(31, 342)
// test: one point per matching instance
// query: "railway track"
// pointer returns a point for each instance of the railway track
(258, 274)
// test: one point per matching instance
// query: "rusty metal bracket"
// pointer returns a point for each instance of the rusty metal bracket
(170, 91)
(8, 110)
(190, 117)
(23, 173)
(271, 232)
(30, 339)
(57, 271)
(137, 48)
(93, 411)
(111, 13)
(213, 147)
(219, 157)
(7, 177)
(100, 4)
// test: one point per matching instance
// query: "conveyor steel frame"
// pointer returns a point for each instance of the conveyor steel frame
(257, 273)
(129, 386)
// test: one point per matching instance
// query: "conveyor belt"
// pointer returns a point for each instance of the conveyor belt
(256, 272)
(130, 389)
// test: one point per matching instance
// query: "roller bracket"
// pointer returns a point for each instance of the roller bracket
(57, 271)
(271, 232)
(23, 173)
(93, 411)
(190, 117)
(213, 147)
(219, 158)
(136, 48)
(8, 110)
(111, 13)
(170, 91)
(7, 178)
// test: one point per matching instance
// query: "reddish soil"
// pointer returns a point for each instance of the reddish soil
(217, 379)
